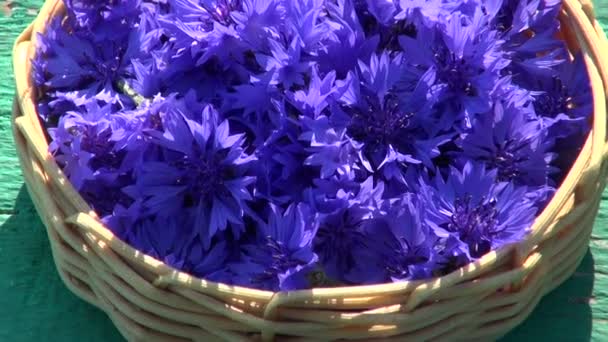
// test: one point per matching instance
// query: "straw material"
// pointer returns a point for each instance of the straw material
(150, 301)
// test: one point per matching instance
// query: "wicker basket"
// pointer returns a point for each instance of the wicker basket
(150, 301)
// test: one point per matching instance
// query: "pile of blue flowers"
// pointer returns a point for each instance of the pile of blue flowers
(290, 144)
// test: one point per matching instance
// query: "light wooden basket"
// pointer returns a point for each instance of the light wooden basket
(149, 301)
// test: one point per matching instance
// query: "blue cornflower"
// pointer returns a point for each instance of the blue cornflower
(285, 64)
(472, 206)
(383, 11)
(305, 21)
(517, 147)
(129, 127)
(564, 100)
(408, 251)
(74, 69)
(255, 97)
(466, 59)
(258, 21)
(109, 19)
(528, 29)
(513, 17)
(386, 131)
(107, 197)
(281, 256)
(170, 240)
(315, 99)
(423, 12)
(81, 145)
(398, 246)
(281, 172)
(448, 255)
(347, 44)
(330, 148)
(70, 156)
(385, 121)
(124, 216)
(342, 239)
(388, 34)
(204, 169)
(204, 31)
(106, 162)
(223, 29)
(156, 69)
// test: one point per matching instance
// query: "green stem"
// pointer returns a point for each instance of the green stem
(130, 92)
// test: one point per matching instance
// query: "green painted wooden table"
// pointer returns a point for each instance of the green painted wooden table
(35, 306)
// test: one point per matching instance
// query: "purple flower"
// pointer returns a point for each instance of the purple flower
(284, 63)
(347, 43)
(513, 17)
(387, 122)
(81, 145)
(258, 21)
(449, 254)
(107, 197)
(466, 59)
(170, 240)
(315, 99)
(107, 18)
(129, 127)
(423, 12)
(330, 148)
(204, 31)
(421, 9)
(507, 141)
(224, 29)
(281, 175)
(481, 213)
(342, 238)
(380, 123)
(407, 253)
(528, 28)
(124, 216)
(398, 246)
(205, 169)
(74, 69)
(383, 11)
(70, 156)
(305, 22)
(281, 256)
(564, 100)
(255, 97)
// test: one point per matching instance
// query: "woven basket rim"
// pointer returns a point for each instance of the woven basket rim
(592, 153)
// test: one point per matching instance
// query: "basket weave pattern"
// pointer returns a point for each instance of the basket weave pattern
(150, 301)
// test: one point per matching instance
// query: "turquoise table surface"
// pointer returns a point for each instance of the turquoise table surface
(35, 306)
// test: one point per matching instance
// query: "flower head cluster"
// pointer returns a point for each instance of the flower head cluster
(287, 144)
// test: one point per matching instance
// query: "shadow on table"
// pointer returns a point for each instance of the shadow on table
(31, 290)
(565, 313)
